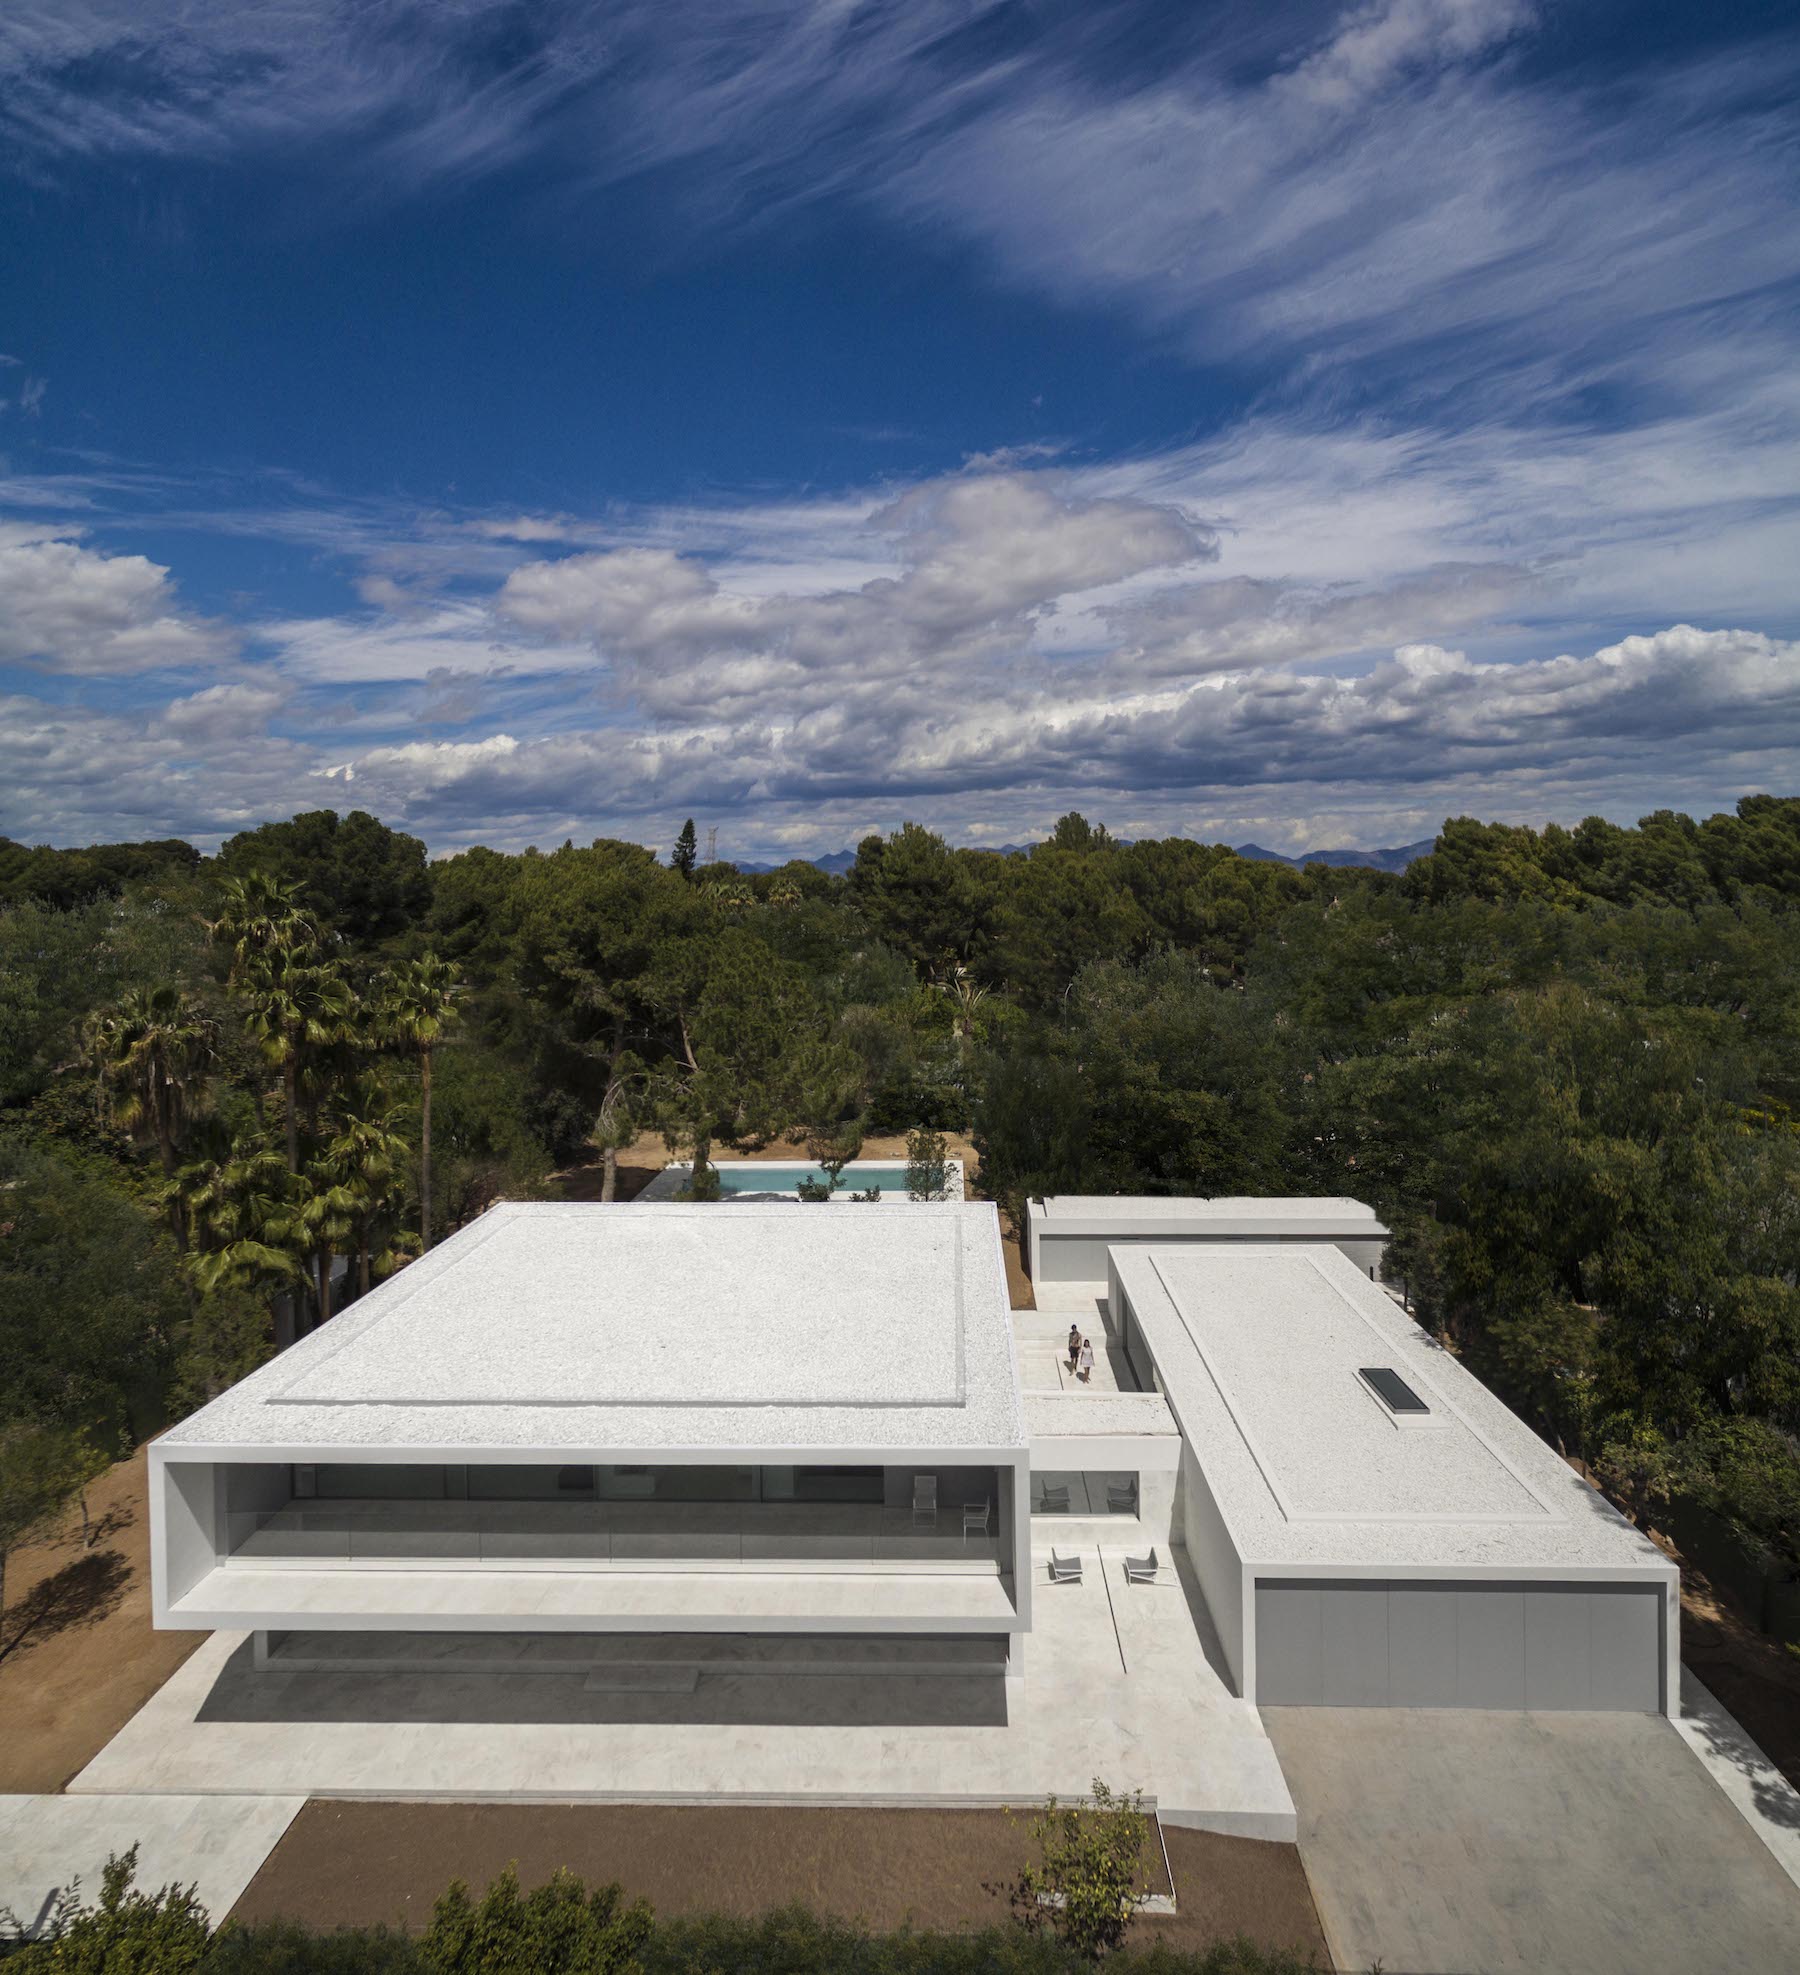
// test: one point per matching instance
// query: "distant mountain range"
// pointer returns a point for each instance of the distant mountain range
(1371, 860)
(837, 862)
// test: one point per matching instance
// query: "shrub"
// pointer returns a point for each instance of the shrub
(285, 1947)
(558, 1928)
(927, 1168)
(1089, 1878)
(128, 1933)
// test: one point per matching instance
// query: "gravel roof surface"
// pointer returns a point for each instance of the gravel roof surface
(576, 1325)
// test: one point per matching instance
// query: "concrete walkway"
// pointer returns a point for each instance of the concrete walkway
(1120, 1682)
(216, 1844)
(1465, 1843)
(1767, 1801)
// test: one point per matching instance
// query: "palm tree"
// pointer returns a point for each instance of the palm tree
(245, 1225)
(299, 1004)
(418, 1005)
(259, 912)
(368, 1159)
(152, 1051)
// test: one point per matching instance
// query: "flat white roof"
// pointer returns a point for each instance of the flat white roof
(1230, 1213)
(1261, 1349)
(690, 1326)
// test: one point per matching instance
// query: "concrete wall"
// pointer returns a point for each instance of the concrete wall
(250, 1491)
(1218, 1567)
(187, 1513)
(1077, 1251)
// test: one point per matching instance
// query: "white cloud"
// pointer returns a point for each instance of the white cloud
(66, 608)
(978, 557)
(386, 648)
(224, 712)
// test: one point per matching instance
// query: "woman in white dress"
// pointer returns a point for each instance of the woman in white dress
(1084, 1367)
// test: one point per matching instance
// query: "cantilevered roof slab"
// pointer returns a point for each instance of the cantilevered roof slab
(581, 1327)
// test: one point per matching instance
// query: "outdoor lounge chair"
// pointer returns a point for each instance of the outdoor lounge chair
(924, 1503)
(1141, 1570)
(1064, 1570)
(1121, 1498)
(975, 1518)
(1054, 1501)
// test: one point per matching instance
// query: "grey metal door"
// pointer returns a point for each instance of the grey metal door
(1404, 1643)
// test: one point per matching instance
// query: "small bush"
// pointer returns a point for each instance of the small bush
(558, 1928)
(284, 1947)
(128, 1933)
(1089, 1878)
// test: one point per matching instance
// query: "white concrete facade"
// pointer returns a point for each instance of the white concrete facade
(583, 1418)
(1356, 1556)
(1069, 1236)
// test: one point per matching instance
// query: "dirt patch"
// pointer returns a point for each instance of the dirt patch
(79, 1656)
(359, 1864)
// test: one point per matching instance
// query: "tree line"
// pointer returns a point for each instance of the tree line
(235, 1091)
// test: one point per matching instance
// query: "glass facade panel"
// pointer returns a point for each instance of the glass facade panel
(1098, 1492)
(531, 1484)
(388, 1482)
(676, 1484)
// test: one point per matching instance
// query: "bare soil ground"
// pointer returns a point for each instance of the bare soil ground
(359, 1864)
(646, 1156)
(78, 1657)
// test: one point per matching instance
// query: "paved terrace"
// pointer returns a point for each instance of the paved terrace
(1120, 1682)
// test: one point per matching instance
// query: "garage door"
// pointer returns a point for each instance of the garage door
(1330, 1643)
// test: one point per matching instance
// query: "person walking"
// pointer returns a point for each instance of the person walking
(1084, 1364)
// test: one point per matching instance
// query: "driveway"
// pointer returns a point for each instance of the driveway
(1464, 1843)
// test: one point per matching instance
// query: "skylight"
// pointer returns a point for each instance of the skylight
(1391, 1389)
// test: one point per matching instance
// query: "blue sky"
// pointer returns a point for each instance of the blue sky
(1297, 423)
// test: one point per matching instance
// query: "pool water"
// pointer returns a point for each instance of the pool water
(738, 1177)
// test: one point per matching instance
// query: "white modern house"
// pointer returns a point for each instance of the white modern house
(786, 1435)
(584, 1419)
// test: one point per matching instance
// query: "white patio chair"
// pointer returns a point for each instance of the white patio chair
(1054, 1501)
(1121, 1498)
(924, 1502)
(1141, 1570)
(1064, 1570)
(975, 1518)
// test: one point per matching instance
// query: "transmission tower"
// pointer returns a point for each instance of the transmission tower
(712, 844)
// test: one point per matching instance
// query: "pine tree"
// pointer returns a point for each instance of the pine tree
(687, 849)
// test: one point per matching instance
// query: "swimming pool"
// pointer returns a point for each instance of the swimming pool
(752, 1176)
(758, 1179)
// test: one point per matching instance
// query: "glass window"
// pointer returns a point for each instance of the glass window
(1097, 1492)
(676, 1484)
(531, 1484)
(822, 1484)
(389, 1482)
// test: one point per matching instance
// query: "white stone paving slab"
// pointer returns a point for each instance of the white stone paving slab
(1767, 1800)
(214, 1843)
